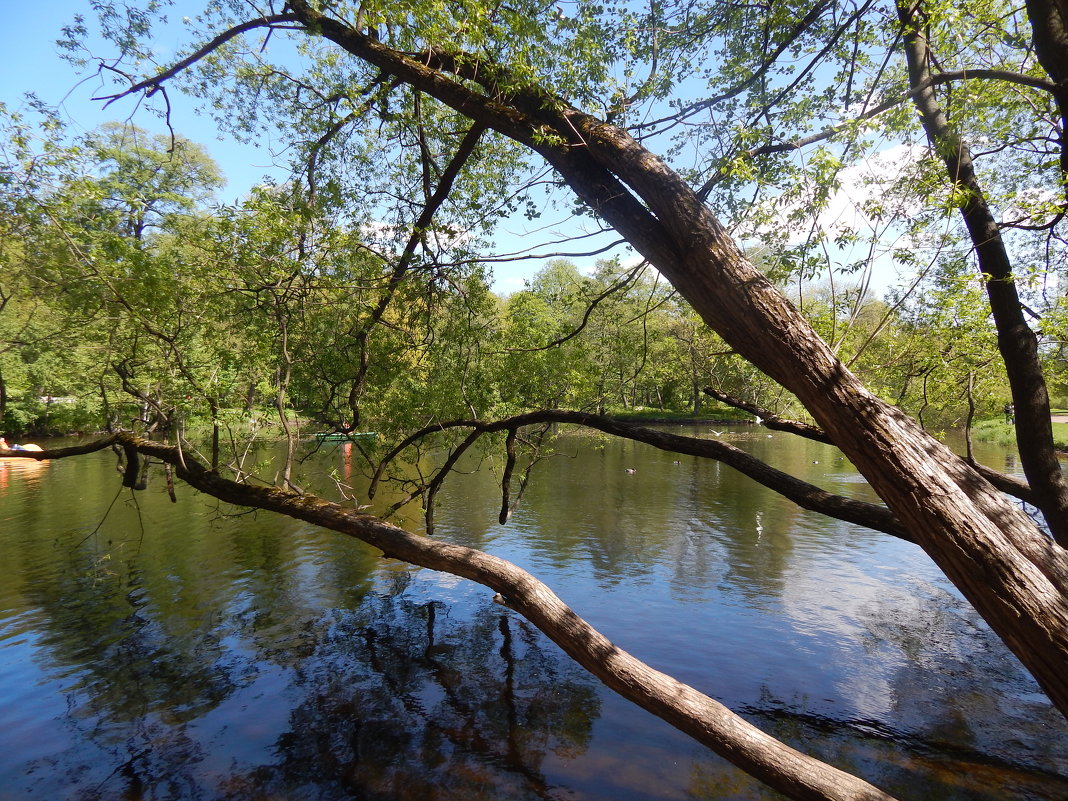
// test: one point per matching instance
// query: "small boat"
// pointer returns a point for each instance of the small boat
(29, 446)
(339, 436)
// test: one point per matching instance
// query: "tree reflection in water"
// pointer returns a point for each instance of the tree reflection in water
(396, 699)
(416, 705)
(177, 655)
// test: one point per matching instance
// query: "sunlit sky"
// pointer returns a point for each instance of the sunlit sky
(31, 62)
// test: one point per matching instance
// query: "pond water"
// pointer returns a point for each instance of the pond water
(151, 650)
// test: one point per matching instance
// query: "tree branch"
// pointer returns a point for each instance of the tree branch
(918, 89)
(1010, 485)
(1016, 341)
(628, 278)
(807, 496)
(153, 83)
(795, 774)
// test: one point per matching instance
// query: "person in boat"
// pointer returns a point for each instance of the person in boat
(5, 447)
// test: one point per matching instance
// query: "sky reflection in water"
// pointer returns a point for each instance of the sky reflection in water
(178, 652)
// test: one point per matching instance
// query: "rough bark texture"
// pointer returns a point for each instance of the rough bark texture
(1014, 575)
(1011, 573)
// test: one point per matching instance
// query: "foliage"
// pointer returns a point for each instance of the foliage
(356, 294)
(146, 304)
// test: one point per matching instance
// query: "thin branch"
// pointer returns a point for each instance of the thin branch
(628, 279)
(805, 495)
(155, 82)
(833, 130)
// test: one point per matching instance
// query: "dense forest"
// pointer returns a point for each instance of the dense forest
(133, 298)
(719, 144)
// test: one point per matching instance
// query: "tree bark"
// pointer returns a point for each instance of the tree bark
(1013, 574)
(1016, 341)
(1049, 24)
(1007, 484)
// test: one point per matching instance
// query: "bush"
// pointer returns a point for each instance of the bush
(35, 417)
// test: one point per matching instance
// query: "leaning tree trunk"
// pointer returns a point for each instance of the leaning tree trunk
(1017, 343)
(1014, 575)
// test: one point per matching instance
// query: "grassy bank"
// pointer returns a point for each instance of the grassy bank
(712, 415)
(1000, 432)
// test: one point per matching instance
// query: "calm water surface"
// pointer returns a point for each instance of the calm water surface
(151, 650)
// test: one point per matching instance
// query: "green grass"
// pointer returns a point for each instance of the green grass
(712, 415)
(1060, 435)
(1002, 433)
(996, 431)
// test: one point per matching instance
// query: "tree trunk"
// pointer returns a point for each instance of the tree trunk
(1014, 575)
(1016, 341)
(1049, 24)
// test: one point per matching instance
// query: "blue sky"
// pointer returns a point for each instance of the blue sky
(31, 62)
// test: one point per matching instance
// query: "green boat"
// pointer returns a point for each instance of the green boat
(338, 436)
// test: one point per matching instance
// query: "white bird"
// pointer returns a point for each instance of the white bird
(717, 433)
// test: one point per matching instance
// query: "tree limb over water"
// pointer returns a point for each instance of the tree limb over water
(1007, 484)
(701, 717)
(806, 495)
(1014, 575)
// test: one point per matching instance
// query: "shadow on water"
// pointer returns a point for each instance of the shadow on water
(159, 651)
